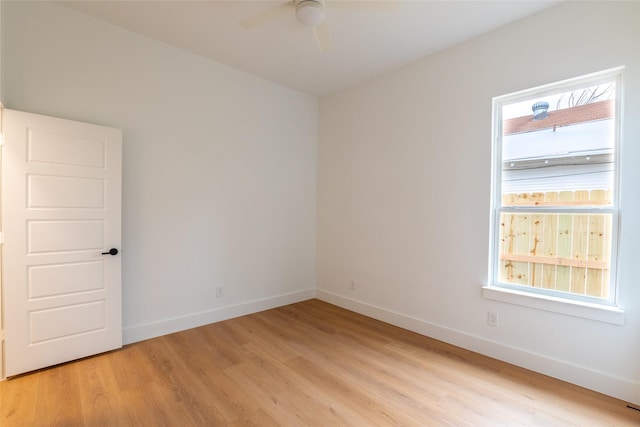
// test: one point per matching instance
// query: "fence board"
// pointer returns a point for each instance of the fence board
(596, 245)
(578, 280)
(595, 282)
(506, 227)
(550, 238)
(536, 246)
(520, 231)
(579, 241)
(565, 252)
(565, 227)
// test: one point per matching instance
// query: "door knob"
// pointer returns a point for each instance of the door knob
(112, 251)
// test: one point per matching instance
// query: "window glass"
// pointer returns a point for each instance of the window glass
(555, 198)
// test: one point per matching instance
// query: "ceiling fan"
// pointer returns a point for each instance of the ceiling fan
(311, 13)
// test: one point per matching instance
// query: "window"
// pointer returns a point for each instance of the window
(555, 190)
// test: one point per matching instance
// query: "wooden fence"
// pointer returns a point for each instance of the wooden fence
(564, 252)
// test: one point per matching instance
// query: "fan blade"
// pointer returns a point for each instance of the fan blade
(266, 15)
(363, 4)
(323, 37)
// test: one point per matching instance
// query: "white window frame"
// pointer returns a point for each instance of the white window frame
(606, 310)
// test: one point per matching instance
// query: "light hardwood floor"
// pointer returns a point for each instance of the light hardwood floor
(309, 363)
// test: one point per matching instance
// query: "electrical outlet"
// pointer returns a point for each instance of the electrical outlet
(352, 285)
(219, 291)
(492, 318)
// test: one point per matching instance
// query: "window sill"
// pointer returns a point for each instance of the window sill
(582, 309)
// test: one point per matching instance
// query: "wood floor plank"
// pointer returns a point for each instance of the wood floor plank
(184, 384)
(96, 380)
(377, 412)
(205, 374)
(257, 418)
(221, 345)
(130, 367)
(17, 400)
(261, 335)
(153, 405)
(59, 396)
(305, 364)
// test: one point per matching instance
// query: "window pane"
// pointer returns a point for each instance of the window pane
(558, 150)
(556, 251)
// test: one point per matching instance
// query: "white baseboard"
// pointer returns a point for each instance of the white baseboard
(620, 388)
(151, 330)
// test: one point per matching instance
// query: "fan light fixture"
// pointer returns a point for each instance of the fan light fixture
(310, 12)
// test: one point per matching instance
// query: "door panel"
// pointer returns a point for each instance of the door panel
(63, 192)
(64, 322)
(60, 279)
(50, 146)
(64, 236)
(61, 189)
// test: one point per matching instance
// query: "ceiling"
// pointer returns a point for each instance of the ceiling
(368, 38)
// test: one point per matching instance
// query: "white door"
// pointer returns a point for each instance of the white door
(61, 191)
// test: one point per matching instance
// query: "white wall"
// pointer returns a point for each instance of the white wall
(404, 183)
(219, 166)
